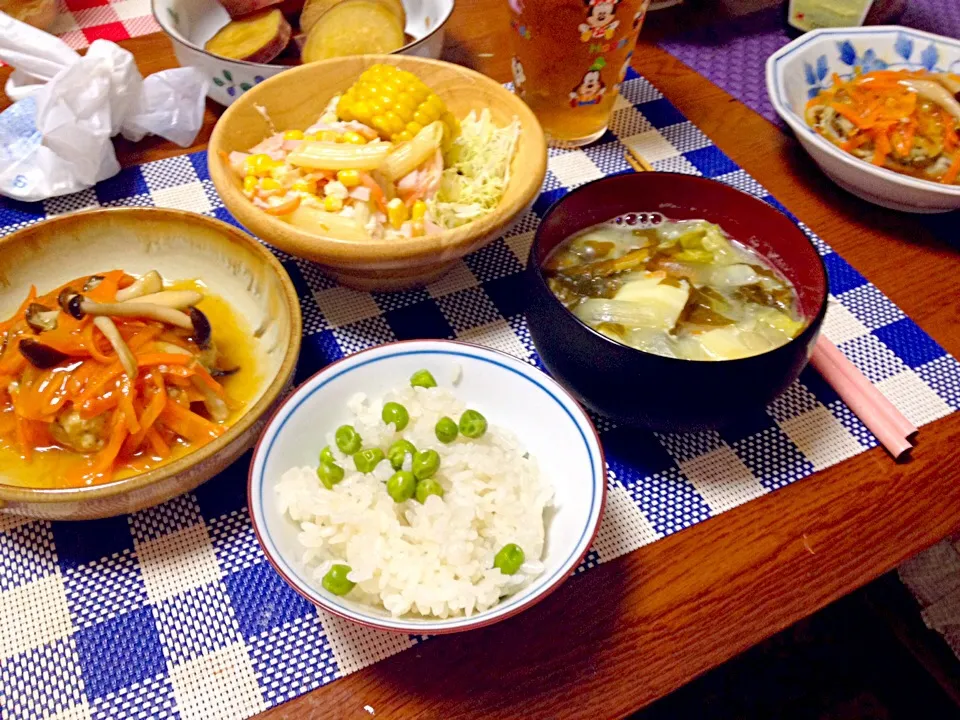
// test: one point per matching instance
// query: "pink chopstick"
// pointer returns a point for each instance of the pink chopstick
(874, 410)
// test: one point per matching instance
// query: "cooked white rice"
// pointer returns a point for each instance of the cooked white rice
(434, 559)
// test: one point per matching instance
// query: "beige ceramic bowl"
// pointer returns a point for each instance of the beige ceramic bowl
(296, 98)
(180, 245)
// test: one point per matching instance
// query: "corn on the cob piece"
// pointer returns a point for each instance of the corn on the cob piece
(396, 103)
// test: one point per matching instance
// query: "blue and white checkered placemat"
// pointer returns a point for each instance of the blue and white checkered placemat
(174, 612)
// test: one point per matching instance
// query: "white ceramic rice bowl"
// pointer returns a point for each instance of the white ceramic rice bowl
(798, 71)
(191, 23)
(512, 394)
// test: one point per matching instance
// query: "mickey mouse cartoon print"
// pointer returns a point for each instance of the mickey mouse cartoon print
(590, 90)
(601, 23)
(519, 77)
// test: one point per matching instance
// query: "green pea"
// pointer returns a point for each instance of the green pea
(395, 413)
(422, 378)
(401, 486)
(348, 440)
(366, 460)
(398, 452)
(446, 430)
(509, 558)
(330, 474)
(472, 424)
(326, 455)
(336, 581)
(425, 464)
(426, 488)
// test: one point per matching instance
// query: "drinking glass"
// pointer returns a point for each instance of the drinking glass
(569, 58)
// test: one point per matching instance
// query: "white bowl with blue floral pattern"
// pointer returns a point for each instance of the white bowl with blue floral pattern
(191, 23)
(798, 71)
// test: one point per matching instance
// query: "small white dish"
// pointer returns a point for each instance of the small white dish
(509, 392)
(799, 70)
(191, 23)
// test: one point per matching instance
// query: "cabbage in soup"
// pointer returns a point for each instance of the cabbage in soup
(682, 289)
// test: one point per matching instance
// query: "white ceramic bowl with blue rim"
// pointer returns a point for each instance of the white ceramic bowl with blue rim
(513, 394)
(799, 70)
(191, 23)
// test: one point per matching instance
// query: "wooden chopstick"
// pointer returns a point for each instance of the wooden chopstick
(637, 161)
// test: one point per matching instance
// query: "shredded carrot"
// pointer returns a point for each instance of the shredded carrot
(148, 359)
(890, 120)
(189, 425)
(376, 192)
(207, 379)
(137, 419)
(284, 208)
(125, 406)
(91, 343)
(158, 444)
(855, 142)
(150, 413)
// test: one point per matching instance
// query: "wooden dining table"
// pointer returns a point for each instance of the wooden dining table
(615, 639)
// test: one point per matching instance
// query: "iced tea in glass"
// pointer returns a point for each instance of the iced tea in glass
(569, 58)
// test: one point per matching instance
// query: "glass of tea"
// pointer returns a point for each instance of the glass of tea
(569, 58)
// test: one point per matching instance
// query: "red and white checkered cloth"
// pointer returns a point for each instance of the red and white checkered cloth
(80, 22)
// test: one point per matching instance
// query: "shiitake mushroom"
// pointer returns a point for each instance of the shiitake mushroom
(42, 357)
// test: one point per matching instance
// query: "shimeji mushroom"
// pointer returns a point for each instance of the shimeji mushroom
(112, 333)
(148, 284)
(77, 305)
(177, 299)
(41, 318)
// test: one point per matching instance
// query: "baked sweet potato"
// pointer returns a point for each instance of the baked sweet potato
(257, 38)
(314, 9)
(353, 27)
(240, 8)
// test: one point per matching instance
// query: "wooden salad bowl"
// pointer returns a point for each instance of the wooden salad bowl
(295, 99)
(181, 245)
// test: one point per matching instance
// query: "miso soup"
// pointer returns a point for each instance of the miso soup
(681, 289)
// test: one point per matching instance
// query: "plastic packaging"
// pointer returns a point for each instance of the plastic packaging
(56, 137)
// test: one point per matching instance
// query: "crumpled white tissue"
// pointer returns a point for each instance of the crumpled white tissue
(56, 137)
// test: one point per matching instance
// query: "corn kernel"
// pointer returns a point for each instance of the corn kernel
(310, 137)
(269, 184)
(414, 127)
(293, 135)
(328, 136)
(406, 103)
(259, 165)
(402, 137)
(307, 186)
(350, 178)
(418, 228)
(422, 118)
(249, 183)
(354, 138)
(396, 213)
(332, 203)
(394, 122)
(419, 210)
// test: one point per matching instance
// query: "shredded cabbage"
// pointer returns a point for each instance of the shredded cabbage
(477, 170)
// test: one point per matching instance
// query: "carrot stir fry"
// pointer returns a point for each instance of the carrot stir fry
(906, 121)
(113, 368)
